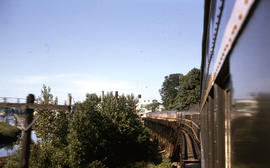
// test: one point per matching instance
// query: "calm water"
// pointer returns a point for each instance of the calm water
(10, 149)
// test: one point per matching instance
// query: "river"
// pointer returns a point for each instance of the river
(10, 148)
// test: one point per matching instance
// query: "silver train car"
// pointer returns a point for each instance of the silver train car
(168, 115)
(235, 87)
(174, 115)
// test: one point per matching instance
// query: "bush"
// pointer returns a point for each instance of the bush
(97, 164)
(13, 161)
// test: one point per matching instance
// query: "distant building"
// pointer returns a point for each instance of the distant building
(141, 107)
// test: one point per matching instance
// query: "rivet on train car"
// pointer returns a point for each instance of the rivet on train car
(246, 1)
(230, 39)
(240, 16)
(222, 56)
(234, 28)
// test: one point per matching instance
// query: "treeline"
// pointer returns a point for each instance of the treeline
(180, 91)
(98, 134)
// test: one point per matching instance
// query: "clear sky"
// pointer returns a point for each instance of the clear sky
(86, 46)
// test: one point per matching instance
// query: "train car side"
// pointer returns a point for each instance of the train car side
(235, 92)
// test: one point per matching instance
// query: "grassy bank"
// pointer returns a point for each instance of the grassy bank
(8, 133)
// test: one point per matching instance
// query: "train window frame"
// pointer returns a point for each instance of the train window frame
(219, 126)
(222, 110)
(212, 137)
(227, 117)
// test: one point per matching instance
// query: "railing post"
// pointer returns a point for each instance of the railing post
(26, 140)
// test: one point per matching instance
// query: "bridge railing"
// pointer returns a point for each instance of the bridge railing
(29, 105)
(12, 100)
(192, 125)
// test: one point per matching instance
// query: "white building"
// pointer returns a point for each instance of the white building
(142, 104)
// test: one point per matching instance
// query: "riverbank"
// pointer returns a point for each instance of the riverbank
(8, 133)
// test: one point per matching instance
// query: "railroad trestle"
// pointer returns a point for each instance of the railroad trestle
(178, 138)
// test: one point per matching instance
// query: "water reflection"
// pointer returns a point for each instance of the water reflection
(9, 149)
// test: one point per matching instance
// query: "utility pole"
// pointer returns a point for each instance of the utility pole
(102, 96)
(69, 103)
(116, 94)
(26, 140)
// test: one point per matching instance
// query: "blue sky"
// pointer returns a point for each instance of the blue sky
(81, 47)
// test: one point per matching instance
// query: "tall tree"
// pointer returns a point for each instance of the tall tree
(169, 89)
(189, 91)
(52, 129)
(153, 106)
(109, 132)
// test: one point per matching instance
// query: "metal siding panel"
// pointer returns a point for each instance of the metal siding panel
(219, 111)
(250, 114)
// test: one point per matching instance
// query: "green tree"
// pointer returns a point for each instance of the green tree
(131, 140)
(89, 133)
(98, 134)
(108, 132)
(153, 106)
(52, 125)
(52, 129)
(169, 90)
(189, 91)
